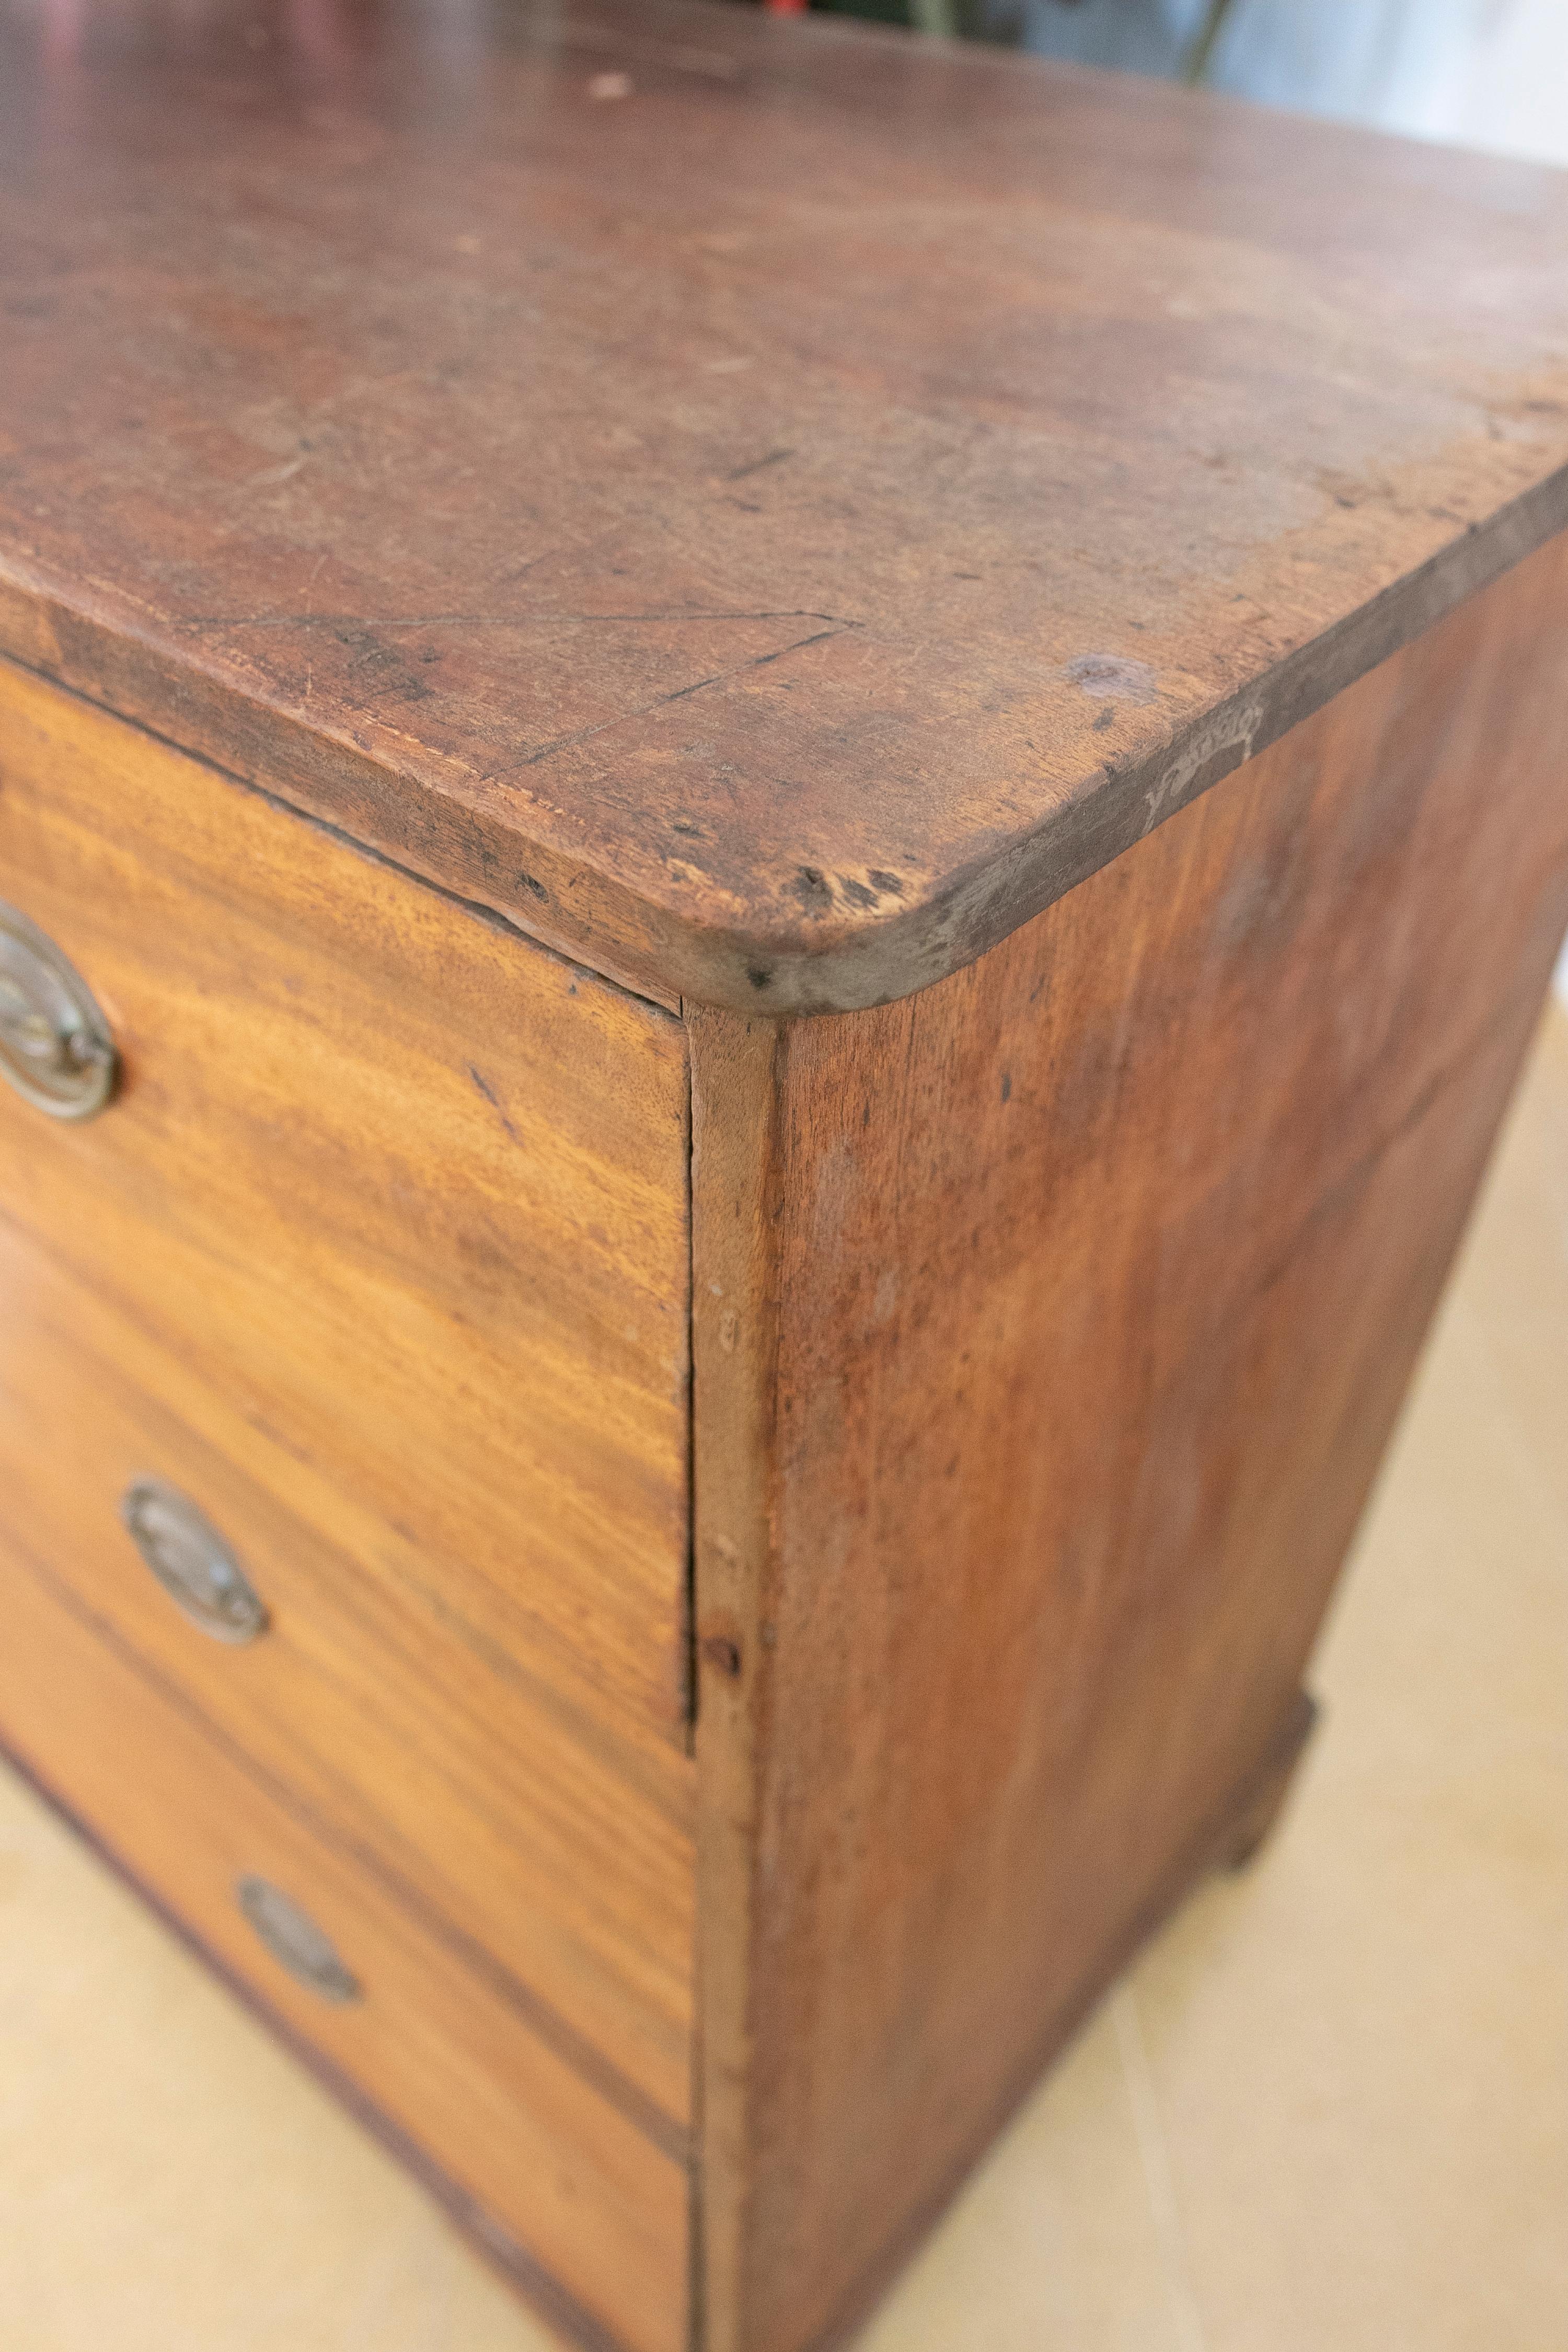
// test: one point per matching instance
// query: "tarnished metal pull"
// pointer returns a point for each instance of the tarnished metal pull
(55, 1045)
(295, 1941)
(191, 1561)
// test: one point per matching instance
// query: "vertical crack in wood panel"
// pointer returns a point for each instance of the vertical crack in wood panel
(735, 1091)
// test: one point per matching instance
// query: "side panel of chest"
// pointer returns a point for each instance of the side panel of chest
(1049, 1326)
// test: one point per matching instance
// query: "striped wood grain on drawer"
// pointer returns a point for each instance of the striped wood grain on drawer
(595, 2211)
(555, 1858)
(407, 1191)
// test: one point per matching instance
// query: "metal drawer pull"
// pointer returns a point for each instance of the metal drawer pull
(191, 1561)
(55, 1045)
(295, 1941)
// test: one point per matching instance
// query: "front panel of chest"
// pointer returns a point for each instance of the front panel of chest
(343, 1265)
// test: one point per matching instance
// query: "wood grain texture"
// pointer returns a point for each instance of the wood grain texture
(548, 2163)
(769, 535)
(411, 1193)
(566, 1883)
(382, 1255)
(1048, 1329)
(497, 2246)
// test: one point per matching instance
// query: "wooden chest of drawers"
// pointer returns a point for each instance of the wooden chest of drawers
(778, 817)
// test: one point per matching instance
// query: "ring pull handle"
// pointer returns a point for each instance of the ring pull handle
(191, 1561)
(55, 1045)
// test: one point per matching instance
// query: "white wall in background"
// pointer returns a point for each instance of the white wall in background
(1513, 94)
(1493, 73)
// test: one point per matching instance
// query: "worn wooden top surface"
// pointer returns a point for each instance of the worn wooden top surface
(768, 532)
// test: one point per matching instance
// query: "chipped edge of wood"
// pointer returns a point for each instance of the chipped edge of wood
(972, 912)
(588, 915)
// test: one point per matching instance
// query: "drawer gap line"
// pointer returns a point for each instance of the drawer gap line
(496, 2245)
(539, 2017)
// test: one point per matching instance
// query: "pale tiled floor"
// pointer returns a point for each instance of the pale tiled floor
(1327, 2112)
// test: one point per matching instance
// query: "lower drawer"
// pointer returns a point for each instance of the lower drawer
(591, 2204)
(549, 1855)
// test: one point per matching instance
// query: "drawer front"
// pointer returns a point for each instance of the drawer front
(598, 2212)
(407, 1191)
(553, 1859)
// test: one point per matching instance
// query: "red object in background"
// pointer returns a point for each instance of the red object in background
(787, 7)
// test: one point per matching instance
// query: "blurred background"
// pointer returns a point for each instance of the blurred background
(1493, 73)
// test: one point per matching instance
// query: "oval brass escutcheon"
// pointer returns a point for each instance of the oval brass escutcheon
(55, 1045)
(192, 1563)
(295, 1941)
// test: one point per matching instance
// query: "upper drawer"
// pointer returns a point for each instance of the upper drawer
(408, 1191)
